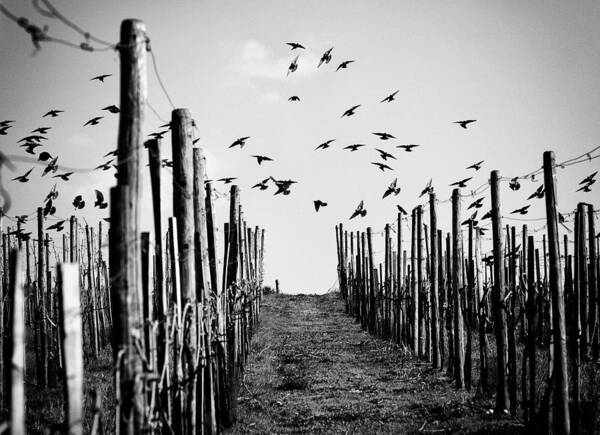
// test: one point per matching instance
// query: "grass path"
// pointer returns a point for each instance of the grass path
(312, 369)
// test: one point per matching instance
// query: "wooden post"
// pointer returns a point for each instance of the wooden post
(459, 345)
(210, 233)
(531, 322)
(370, 269)
(449, 297)
(91, 293)
(583, 279)
(420, 285)
(561, 378)
(413, 285)
(499, 308)
(511, 336)
(482, 311)
(593, 284)
(433, 280)
(125, 213)
(72, 339)
(41, 298)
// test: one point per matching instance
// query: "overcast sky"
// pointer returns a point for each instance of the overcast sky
(526, 71)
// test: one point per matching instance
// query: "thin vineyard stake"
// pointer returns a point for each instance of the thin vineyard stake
(420, 284)
(413, 286)
(583, 281)
(512, 345)
(41, 288)
(457, 288)
(531, 322)
(593, 283)
(210, 233)
(433, 277)
(561, 418)
(370, 269)
(72, 338)
(16, 344)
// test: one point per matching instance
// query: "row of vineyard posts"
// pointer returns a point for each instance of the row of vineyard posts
(446, 302)
(179, 335)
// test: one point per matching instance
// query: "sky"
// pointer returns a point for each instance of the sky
(526, 71)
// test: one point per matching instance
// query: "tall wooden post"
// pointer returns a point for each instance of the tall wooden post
(15, 336)
(459, 345)
(499, 308)
(41, 300)
(370, 269)
(583, 277)
(531, 323)
(593, 285)
(433, 286)
(420, 285)
(125, 213)
(413, 285)
(561, 378)
(210, 234)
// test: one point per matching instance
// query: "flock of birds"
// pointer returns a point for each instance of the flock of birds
(36, 139)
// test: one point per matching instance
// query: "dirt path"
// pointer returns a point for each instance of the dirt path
(312, 369)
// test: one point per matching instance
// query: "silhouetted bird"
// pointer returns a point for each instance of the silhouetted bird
(350, 111)
(428, 188)
(401, 209)
(31, 146)
(227, 180)
(283, 186)
(166, 163)
(101, 78)
(389, 98)
(344, 64)
(100, 200)
(58, 226)
(23, 178)
(539, 193)
(6, 123)
(471, 219)
(514, 184)
(53, 194)
(22, 219)
(293, 66)
(464, 124)
(360, 210)
(589, 178)
(318, 204)
(476, 166)
(294, 98)
(64, 176)
(158, 135)
(52, 166)
(295, 45)
(111, 153)
(392, 189)
(381, 166)
(78, 202)
(261, 159)
(522, 210)
(384, 136)
(262, 185)
(240, 142)
(478, 203)
(407, 148)
(53, 113)
(487, 215)
(49, 208)
(33, 138)
(42, 130)
(4, 129)
(384, 154)
(461, 183)
(586, 188)
(326, 57)
(94, 121)
(112, 109)
(354, 147)
(325, 144)
(105, 166)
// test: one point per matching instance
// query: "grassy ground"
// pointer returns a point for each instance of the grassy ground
(312, 369)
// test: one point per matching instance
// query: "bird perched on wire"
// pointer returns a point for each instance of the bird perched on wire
(227, 180)
(384, 154)
(64, 176)
(294, 98)
(325, 145)
(354, 147)
(262, 185)
(381, 166)
(33, 138)
(112, 109)
(384, 136)
(101, 77)
(78, 202)
(94, 121)
(42, 130)
(522, 210)
(476, 166)
(52, 166)
(240, 142)
(360, 211)
(53, 113)
(58, 226)
(350, 111)
(389, 98)
(392, 189)
(408, 148)
(261, 159)
(428, 188)
(295, 45)
(23, 178)
(461, 183)
(100, 203)
(464, 123)
(478, 203)
(344, 64)
(539, 193)
(318, 204)
(293, 66)
(326, 58)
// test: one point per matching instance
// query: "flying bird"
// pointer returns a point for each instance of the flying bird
(112, 109)
(53, 113)
(522, 210)
(294, 98)
(461, 183)
(42, 130)
(325, 144)
(100, 200)
(58, 226)
(105, 166)
(589, 178)
(158, 135)
(586, 188)
(295, 45)
(476, 166)
(428, 188)
(471, 219)
(381, 166)
(360, 211)
(6, 123)
(401, 209)
(94, 121)
(407, 148)
(354, 147)
(52, 166)
(101, 78)
(64, 176)
(53, 194)
(389, 98)
(514, 184)
(111, 153)
(261, 159)
(464, 123)
(283, 186)
(31, 146)
(23, 178)
(293, 66)
(227, 180)
(78, 202)
(326, 57)
(33, 138)
(539, 193)
(487, 215)
(344, 65)
(262, 185)
(49, 208)
(4, 129)
(392, 189)
(350, 111)
(384, 136)
(318, 204)
(478, 203)
(384, 154)
(241, 142)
